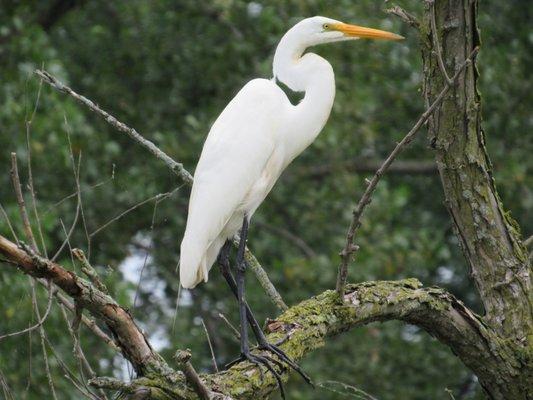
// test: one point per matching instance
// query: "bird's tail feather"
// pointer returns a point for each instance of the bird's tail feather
(193, 268)
(196, 261)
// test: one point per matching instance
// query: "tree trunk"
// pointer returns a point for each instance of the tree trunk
(489, 238)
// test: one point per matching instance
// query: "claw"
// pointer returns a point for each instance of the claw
(266, 362)
(285, 358)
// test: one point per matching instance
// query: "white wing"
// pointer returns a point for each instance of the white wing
(233, 158)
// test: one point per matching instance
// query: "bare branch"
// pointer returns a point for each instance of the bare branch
(157, 198)
(21, 203)
(178, 169)
(213, 358)
(29, 235)
(436, 44)
(366, 198)
(230, 325)
(404, 16)
(263, 279)
(130, 338)
(8, 222)
(89, 271)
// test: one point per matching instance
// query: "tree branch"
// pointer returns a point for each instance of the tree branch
(304, 327)
(311, 322)
(129, 337)
(174, 166)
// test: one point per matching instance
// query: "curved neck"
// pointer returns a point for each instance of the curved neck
(307, 73)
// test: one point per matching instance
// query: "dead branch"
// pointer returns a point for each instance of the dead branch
(404, 16)
(129, 337)
(176, 167)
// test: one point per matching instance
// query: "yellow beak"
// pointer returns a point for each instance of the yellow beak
(362, 32)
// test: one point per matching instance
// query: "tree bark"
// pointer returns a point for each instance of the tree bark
(489, 237)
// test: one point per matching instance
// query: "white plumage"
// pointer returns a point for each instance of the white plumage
(256, 136)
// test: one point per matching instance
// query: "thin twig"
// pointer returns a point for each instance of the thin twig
(436, 44)
(89, 270)
(78, 351)
(213, 358)
(29, 235)
(233, 329)
(263, 279)
(76, 173)
(158, 197)
(20, 200)
(366, 198)
(173, 165)
(175, 317)
(6, 217)
(42, 335)
(146, 254)
(5, 387)
(404, 16)
(88, 322)
(70, 375)
(178, 168)
(30, 173)
(74, 194)
(346, 390)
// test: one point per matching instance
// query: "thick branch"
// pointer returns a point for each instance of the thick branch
(129, 337)
(311, 322)
(488, 235)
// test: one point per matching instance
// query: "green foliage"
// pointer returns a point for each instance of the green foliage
(168, 68)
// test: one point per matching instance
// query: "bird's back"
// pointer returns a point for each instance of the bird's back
(239, 146)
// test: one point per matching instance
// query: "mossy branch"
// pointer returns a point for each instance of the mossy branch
(309, 324)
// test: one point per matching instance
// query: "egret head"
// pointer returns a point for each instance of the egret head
(318, 30)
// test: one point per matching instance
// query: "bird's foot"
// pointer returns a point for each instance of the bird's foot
(264, 345)
(260, 360)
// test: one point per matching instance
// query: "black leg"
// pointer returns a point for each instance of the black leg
(256, 328)
(237, 288)
(258, 333)
(241, 270)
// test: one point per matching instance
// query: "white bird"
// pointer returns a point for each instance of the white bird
(254, 139)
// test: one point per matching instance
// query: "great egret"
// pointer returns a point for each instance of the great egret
(253, 140)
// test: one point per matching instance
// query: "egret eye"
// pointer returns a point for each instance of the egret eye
(325, 26)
